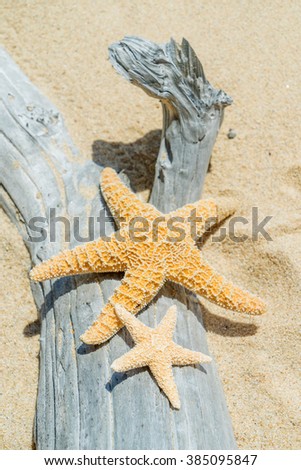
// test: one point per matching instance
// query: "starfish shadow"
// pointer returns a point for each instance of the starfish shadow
(119, 377)
(137, 159)
(210, 321)
(85, 349)
(195, 366)
(200, 242)
(225, 326)
(67, 284)
(199, 367)
(116, 379)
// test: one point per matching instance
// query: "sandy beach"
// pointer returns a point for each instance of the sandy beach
(250, 49)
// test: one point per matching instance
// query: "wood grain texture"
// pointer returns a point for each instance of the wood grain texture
(81, 403)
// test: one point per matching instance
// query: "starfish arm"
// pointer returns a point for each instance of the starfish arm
(197, 275)
(184, 357)
(162, 372)
(123, 203)
(203, 215)
(139, 356)
(226, 206)
(138, 287)
(137, 329)
(168, 323)
(98, 256)
(198, 215)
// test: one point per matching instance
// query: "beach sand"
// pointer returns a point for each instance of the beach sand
(250, 49)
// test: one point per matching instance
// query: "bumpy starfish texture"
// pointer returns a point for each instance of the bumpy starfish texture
(151, 248)
(156, 349)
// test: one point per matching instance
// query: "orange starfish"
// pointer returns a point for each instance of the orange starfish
(156, 349)
(151, 248)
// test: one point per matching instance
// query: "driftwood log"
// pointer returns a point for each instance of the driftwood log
(80, 403)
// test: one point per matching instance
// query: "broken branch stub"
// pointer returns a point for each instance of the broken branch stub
(192, 113)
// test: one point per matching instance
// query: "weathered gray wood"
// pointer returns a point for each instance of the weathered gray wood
(41, 169)
(80, 404)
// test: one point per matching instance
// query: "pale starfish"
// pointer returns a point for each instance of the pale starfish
(156, 349)
(148, 259)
